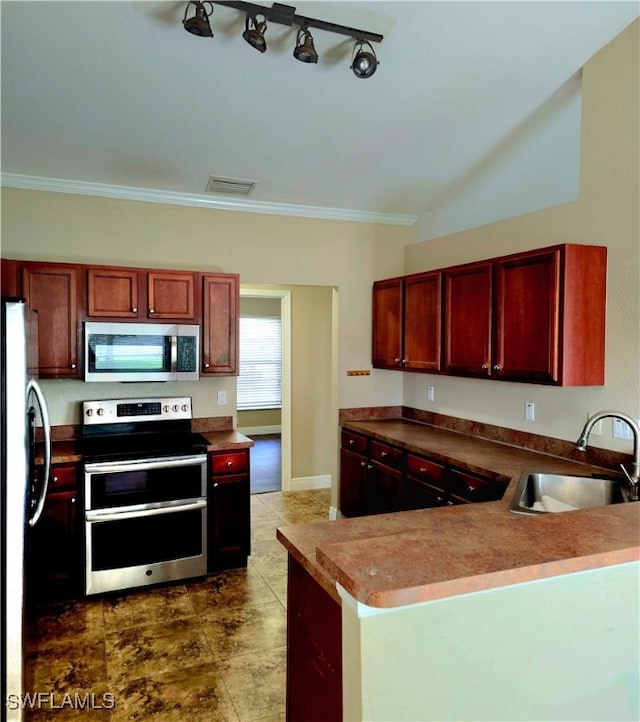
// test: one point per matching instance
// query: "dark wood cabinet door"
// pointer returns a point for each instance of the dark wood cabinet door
(314, 650)
(229, 536)
(112, 292)
(418, 494)
(54, 546)
(527, 302)
(467, 323)
(53, 290)
(422, 322)
(220, 324)
(9, 277)
(171, 295)
(352, 477)
(387, 328)
(382, 489)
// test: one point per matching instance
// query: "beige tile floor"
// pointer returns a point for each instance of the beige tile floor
(211, 650)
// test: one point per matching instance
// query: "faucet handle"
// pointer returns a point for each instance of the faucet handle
(629, 479)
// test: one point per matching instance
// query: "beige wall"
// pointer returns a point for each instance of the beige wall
(263, 249)
(606, 213)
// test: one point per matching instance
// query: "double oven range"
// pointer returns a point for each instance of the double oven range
(145, 492)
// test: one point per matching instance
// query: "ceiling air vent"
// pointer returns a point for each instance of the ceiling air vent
(229, 185)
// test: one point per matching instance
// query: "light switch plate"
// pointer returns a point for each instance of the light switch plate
(222, 398)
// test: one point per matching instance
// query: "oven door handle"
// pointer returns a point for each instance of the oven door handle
(106, 515)
(156, 463)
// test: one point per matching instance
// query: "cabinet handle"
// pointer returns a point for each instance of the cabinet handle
(439, 498)
(369, 466)
(73, 366)
(449, 503)
(471, 489)
(229, 463)
(485, 367)
(134, 310)
(363, 463)
(55, 479)
(384, 453)
(422, 470)
(497, 367)
(352, 442)
(397, 360)
(216, 485)
(73, 500)
(206, 366)
(151, 310)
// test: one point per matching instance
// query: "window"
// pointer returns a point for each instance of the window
(260, 378)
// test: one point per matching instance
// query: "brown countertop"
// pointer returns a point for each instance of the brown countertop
(390, 560)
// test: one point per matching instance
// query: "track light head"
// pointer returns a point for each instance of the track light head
(364, 63)
(199, 23)
(304, 50)
(254, 32)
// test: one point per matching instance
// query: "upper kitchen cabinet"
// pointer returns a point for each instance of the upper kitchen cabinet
(537, 316)
(55, 292)
(467, 319)
(132, 293)
(407, 322)
(220, 323)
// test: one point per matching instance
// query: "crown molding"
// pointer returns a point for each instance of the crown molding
(149, 195)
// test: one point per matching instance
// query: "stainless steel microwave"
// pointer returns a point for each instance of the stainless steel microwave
(141, 352)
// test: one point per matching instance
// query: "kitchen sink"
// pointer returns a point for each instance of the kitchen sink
(539, 493)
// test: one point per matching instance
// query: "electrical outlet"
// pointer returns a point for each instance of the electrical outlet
(529, 411)
(222, 398)
(621, 429)
(431, 393)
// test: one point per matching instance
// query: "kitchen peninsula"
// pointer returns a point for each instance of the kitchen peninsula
(470, 611)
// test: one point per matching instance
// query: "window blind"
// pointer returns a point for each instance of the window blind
(260, 378)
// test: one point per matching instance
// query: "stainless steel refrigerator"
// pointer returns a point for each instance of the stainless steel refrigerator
(23, 494)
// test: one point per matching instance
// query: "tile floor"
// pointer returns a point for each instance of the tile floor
(209, 650)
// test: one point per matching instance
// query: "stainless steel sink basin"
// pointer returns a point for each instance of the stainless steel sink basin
(539, 493)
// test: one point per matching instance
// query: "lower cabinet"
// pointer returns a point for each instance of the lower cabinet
(228, 519)
(54, 549)
(314, 650)
(377, 478)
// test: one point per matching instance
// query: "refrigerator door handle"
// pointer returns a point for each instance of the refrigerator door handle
(46, 429)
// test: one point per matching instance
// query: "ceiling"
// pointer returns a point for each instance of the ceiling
(473, 114)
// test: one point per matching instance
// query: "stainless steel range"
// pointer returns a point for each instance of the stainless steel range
(145, 493)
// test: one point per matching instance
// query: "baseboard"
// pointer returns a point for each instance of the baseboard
(304, 483)
(334, 513)
(260, 430)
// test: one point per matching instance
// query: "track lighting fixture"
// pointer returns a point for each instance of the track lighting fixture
(304, 50)
(199, 23)
(254, 32)
(363, 62)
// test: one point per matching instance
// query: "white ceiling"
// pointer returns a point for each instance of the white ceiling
(473, 114)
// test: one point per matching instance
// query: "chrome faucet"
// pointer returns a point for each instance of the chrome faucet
(633, 478)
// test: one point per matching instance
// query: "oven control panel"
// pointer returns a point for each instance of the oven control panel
(117, 411)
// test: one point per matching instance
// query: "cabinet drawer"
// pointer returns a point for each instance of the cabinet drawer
(354, 442)
(231, 462)
(63, 478)
(475, 488)
(385, 454)
(426, 470)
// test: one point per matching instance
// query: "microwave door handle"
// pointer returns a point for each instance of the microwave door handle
(34, 387)
(174, 353)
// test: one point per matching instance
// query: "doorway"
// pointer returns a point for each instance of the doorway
(267, 420)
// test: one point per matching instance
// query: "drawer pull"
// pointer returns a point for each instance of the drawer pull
(206, 365)
(449, 503)
(229, 463)
(439, 498)
(73, 366)
(55, 480)
(422, 470)
(471, 489)
(497, 367)
(352, 442)
(134, 309)
(216, 485)
(369, 466)
(363, 463)
(73, 500)
(485, 367)
(151, 310)
(383, 454)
